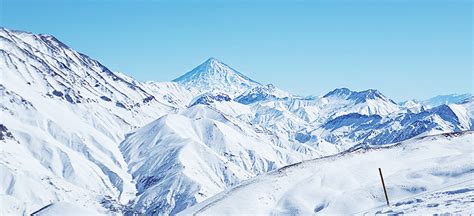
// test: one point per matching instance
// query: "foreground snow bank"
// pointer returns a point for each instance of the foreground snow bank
(64, 208)
(456, 199)
(433, 172)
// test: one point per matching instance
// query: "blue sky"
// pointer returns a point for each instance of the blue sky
(406, 49)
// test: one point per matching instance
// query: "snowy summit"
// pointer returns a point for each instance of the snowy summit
(213, 75)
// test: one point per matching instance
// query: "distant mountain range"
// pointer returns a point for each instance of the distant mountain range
(73, 131)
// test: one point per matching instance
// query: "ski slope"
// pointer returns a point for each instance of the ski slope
(439, 169)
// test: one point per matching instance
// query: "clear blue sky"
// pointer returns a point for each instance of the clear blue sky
(405, 48)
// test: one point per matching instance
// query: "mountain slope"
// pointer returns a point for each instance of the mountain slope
(182, 159)
(333, 185)
(375, 129)
(262, 93)
(66, 113)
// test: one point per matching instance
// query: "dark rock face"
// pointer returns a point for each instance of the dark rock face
(208, 99)
(105, 98)
(57, 93)
(118, 104)
(148, 99)
(5, 133)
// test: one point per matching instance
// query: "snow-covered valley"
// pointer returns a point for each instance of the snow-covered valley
(76, 135)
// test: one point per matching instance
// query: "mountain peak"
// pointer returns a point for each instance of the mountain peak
(215, 65)
(212, 60)
(358, 96)
(214, 75)
(339, 92)
(368, 94)
(261, 93)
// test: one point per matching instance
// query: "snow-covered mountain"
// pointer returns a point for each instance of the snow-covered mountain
(66, 114)
(446, 99)
(433, 174)
(375, 129)
(199, 153)
(75, 134)
(262, 93)
(213, 75)
(416, 105)
(368, 102)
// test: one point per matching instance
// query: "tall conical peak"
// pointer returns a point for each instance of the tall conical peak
(216, 66)
(212, 60)
(213, 74)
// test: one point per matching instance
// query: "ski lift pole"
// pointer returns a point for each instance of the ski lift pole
(383, 184)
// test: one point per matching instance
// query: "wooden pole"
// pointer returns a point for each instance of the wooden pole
(383, 184)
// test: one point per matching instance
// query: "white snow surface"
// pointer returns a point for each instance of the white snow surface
(67, 113)
(199, 153)
(74, 132)
(434, 174)
(70, 209)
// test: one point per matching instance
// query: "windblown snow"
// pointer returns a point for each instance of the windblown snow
(78, 137)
